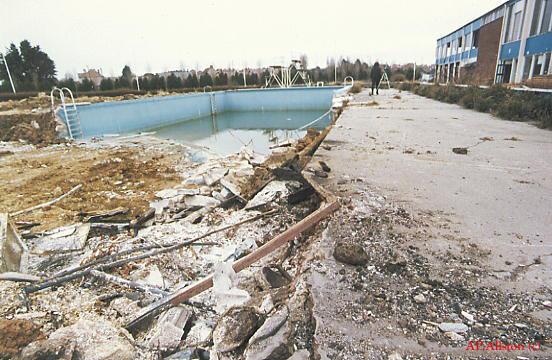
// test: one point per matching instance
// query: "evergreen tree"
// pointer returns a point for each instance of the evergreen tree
(125, 81)
(191, 82)
(145, 83)
(68, 83)
(30, 67)
(174, 82)
(107, 84)
(85, 85)
(221, 79)
(205, 80)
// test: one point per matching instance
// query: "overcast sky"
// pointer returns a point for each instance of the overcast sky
(160, 35)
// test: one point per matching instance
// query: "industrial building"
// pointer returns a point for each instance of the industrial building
(510, 44)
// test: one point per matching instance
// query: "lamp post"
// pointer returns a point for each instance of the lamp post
(9, 74)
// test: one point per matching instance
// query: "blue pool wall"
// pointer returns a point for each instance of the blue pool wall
(119, 117)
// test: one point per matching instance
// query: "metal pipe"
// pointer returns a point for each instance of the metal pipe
(9, 74)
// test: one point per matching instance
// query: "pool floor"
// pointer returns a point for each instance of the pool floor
(228, 132)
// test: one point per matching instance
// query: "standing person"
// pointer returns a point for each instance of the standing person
(376, 77)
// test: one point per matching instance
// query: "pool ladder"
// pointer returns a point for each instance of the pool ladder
(71, 114)
(213, 104)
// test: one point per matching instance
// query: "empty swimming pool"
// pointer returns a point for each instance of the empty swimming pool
(257, 116)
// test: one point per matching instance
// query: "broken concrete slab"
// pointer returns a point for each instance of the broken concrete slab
(271, 325)
(86, 340)
(172, 193)
(65, 239)
(186, 354)
(149, 276)
(234, 328)
(201, 201)
(273, 191)
(199, 333)
(13, 252)
(302, 354)
(168, 331)
(196, 180)
(454, 336)
(275, 347)
(213, 176)
(231, 185)
(196, 216)
(267, 305)
(453, 327)
(224, 287)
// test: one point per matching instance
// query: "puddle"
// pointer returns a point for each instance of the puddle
(229, 131)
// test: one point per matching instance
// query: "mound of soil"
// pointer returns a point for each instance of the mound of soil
(36, 129)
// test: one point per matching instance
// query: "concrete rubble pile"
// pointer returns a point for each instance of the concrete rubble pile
(73, 291)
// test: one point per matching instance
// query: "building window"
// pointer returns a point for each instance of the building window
(468, 41)
(516, 27)
(538, 65)
(476, 39)
(527, 67)
(547, 18)
(542, 17)
(536, 17)
(547, 63)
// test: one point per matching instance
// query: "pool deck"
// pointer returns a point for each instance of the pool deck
(498, 196)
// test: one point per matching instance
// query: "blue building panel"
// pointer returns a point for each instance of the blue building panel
(539, 44)
(473, 53)
(510, 50)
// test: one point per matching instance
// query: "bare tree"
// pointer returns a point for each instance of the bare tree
(304, 61)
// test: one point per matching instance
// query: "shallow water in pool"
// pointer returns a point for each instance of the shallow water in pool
(227, 132)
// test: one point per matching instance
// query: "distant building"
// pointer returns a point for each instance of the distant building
(93, 75)
(510, 44)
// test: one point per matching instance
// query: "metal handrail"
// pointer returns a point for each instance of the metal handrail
(72, 98)
(63, 104)
(348, 78)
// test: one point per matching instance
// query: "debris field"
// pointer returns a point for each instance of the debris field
(108, 248)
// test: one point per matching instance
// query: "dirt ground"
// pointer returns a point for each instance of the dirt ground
(111, 177)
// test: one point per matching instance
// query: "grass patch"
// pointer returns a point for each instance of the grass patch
(497, 100)
(356, 88)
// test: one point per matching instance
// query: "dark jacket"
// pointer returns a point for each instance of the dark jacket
(375, 74)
